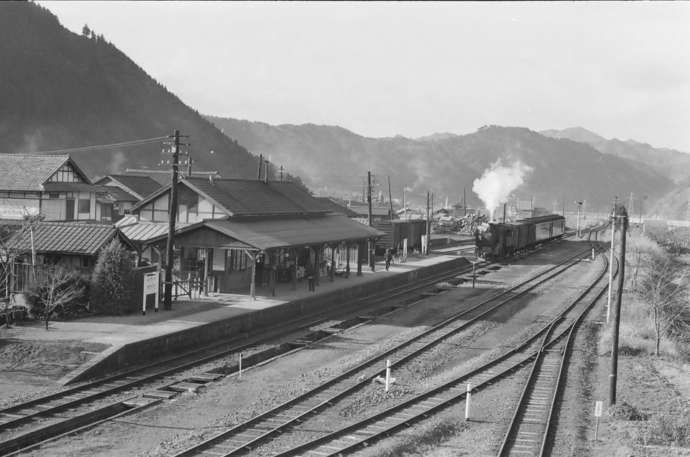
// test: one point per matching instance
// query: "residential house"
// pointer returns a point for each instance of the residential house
(73, 245)
(128, 190)
(52, 186)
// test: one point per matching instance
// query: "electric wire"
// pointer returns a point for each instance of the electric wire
(123, 144)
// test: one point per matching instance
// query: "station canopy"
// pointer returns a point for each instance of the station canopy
(274, 233)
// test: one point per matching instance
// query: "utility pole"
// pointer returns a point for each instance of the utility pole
(432, 205)
(281, 173)
(261, 164)
(579, 207)
(390, 196)
(631, 204)
(428, 222)
(404, 200)
(611, 254)
(189, 162)
(369, 246)
(172, 215)
(623, 216)
(464, 200)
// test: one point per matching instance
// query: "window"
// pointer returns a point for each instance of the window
(53, 194)
(237, 260)
(65, 174)
(84, 205)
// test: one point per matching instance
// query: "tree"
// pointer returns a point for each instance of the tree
(86, 31)
(112, 279)
(664, 288)
(57, 288)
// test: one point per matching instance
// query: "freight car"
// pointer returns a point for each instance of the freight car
(506, 239)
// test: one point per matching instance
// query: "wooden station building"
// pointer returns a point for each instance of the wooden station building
(235, 233)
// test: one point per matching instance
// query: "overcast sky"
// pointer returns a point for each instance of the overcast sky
(619, 69)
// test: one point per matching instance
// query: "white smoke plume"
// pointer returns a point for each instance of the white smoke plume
(497, 182)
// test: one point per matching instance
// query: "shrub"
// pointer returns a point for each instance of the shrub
(112, 281)
(58, 291)
(670, 429)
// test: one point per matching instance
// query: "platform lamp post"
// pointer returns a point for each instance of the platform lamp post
(579, 208)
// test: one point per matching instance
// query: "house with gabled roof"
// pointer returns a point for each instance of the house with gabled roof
(127, 191)
(52, 186)
(238, 231)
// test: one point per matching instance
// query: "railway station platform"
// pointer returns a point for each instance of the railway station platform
(135, 340)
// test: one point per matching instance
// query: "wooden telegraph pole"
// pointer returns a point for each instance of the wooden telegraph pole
(369, 244)
(390, 197)
(622, 217)
(428, 222)
(172, 213)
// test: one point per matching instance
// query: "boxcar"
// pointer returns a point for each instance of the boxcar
(506, 239)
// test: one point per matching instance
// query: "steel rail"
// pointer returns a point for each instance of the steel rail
(537, 435)
(134, 378)
(270, 425)
(375, 427)
(123, 382)
(39, 408)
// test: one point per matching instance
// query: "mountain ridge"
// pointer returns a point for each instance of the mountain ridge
(65, 90)
(335, 160)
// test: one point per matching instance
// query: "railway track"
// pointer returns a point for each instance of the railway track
(385, 423)
(244, 437)
(30, 423)
(531, 426)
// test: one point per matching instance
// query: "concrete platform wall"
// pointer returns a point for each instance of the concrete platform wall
(238, 327)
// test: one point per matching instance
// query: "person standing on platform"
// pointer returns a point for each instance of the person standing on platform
(310, 278)
(389, 258)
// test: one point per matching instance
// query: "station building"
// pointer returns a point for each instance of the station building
(236, 234)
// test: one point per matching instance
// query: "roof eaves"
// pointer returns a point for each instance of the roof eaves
(211, 199)
(152, 197)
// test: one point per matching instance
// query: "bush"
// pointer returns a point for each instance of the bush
(670, 429)
(112, 281)
(59, 292)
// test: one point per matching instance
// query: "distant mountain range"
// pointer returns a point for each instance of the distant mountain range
(333, 160)
(60, 90)
(670, 162)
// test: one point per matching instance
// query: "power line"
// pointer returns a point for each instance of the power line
(123, 144)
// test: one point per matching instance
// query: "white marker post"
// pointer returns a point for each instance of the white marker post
(239, 367)
(468, 397)
(388, 374)
(598, 407)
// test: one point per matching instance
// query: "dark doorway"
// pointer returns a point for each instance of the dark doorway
(69, 210)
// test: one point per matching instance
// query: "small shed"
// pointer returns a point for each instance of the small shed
(74, 246)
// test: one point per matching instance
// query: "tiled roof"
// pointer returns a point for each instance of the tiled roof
(362, 210)
(141, 185)
(248, 197)
(119, 195)
(28, 172)
(336, 207)
(138, 231)
(280, 233)
(64, 238)
(73, 187)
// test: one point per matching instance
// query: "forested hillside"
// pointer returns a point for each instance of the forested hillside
(61, 90)
(335, 160)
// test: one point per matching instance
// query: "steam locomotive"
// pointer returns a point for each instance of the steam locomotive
(505, 239)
